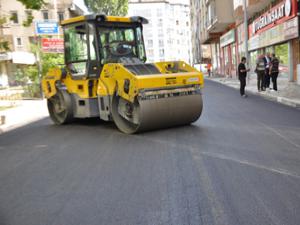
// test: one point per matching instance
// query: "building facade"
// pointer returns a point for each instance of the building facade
(273, 27)
(20, 35)
(168, 34)
(216, 19)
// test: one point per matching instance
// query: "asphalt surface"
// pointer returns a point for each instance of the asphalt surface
(239, 164)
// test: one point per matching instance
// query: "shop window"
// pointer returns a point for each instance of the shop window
(282, 54)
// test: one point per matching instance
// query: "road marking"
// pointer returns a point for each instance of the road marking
(279, 134)
(244, 162)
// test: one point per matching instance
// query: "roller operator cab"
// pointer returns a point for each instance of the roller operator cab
(106, 75)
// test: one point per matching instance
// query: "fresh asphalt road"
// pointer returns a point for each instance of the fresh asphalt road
(239, 164)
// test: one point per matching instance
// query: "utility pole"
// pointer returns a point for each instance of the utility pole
(246, 29)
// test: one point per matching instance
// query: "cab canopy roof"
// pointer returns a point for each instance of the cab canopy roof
(104, 18)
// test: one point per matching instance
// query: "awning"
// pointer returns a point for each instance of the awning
(26, 58)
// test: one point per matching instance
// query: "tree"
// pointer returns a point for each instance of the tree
(35, 5)
(31, 73)
(108, 7)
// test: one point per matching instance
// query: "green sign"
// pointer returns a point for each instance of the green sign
(227, 38)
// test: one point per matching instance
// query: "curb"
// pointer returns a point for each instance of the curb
(281, 100)
(15, 126)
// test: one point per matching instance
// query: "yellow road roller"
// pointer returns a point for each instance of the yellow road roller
(106, 75)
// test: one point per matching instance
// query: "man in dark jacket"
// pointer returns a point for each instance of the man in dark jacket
(274, 70)
(267, 60)
(242, 72)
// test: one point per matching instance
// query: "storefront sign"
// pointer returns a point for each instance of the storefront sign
(52, 45)
(278, 14)
(283, 32)
(46, 28)
(227, 38)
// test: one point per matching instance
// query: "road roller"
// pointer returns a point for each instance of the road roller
(106, 75)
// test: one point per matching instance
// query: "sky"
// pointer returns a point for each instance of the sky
(80, 3)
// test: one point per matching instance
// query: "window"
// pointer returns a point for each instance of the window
(76, 49)
(160, 23)
(159, 12)
(120, 42)
(161, 52)
(45, 15)
(19, 41)
(160, 32)
(150, 43)
(14, 17)
(28, 14)
(61, 16)
(150, 53)
(161, 43)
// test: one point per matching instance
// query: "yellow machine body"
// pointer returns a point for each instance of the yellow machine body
(135, 95)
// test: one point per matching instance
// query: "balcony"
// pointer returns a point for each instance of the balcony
(253, 6)
(219, 18)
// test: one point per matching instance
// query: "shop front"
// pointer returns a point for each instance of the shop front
(229, 50)
(277, 31)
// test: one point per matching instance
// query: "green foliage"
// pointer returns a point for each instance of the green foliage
(13, 17)
(32, 4)
(281, 52)
(31, 73)
(4, 46)
(3, 20)
(108, 7)
(28, 21)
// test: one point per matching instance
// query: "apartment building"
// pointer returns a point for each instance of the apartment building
(168, 34)
(20, 35)
(274, 27)
(216, 17)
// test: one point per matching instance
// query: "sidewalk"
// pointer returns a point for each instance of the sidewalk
(288, 93)
(22, 113)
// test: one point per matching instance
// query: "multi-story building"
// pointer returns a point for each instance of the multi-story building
(216, 17)
(20, 35)
(195, 24)
(168, 34)
(273, 28)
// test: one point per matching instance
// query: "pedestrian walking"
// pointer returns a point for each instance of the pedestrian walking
(260, 70)
(208, 66)
(267, 60)
(274, 71)
(242, 72)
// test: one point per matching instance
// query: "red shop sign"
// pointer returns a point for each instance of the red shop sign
(280, 13)
(52, 45)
